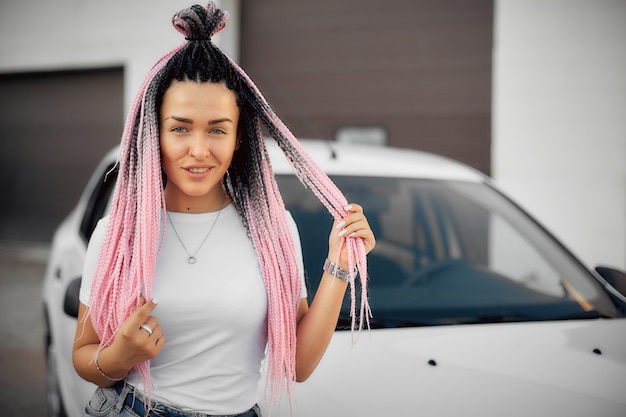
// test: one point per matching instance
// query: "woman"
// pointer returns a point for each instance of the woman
(197, 222)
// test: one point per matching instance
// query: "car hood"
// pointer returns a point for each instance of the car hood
(573, 368)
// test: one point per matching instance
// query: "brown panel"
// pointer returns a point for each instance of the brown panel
(422, 69)
(54, 128)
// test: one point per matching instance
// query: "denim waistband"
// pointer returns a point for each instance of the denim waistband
(132, 401)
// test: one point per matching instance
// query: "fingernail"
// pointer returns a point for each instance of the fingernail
(341, 224)
(343, 232)
(348, 207)
(352, 234)
(155, 300)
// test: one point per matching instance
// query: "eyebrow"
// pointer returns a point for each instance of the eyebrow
(211, 122)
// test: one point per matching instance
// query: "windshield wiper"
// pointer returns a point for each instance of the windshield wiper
(585, 315)
(345, 322)
(512, 318)
(497, 318)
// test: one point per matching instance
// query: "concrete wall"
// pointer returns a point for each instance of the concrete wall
(559, 118)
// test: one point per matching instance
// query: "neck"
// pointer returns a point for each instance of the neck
(216, 200)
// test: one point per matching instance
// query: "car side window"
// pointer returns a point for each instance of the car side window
(99, 202)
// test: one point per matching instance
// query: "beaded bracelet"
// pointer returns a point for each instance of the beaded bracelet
(337, 271)
(102, 372)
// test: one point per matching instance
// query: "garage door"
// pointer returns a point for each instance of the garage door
(54, 128)
(419, 69)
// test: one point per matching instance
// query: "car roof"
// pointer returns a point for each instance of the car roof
(377, 161)
(368, 160)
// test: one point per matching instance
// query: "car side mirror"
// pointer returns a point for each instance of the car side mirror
(71, 302)
(613, 276)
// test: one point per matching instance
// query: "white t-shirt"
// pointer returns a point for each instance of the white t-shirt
(213, 313)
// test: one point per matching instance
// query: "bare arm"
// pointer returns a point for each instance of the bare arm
(317, 323)
(131, 345)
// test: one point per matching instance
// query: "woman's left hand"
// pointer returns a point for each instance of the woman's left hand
(353, 225)
(316, 324)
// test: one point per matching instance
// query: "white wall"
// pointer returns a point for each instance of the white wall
(43, 35)
(559, 119)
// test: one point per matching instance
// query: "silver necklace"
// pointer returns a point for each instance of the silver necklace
(192, 258)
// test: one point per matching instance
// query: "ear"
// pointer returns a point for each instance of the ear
(238, 140)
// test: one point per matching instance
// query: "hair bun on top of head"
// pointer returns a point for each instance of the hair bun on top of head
(198, 23)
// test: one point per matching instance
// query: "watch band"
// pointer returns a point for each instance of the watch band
(337, 271)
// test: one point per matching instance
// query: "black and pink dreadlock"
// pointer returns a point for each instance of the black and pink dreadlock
(127, 262)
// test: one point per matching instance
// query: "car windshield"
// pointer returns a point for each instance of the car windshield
(449, 252)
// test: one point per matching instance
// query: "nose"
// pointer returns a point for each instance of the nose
(199, 147)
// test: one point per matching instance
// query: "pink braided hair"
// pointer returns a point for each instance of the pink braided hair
(127, 262)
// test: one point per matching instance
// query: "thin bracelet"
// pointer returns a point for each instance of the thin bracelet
(102, 372)
(337, 271)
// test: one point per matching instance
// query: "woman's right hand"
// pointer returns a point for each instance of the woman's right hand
(134, 343)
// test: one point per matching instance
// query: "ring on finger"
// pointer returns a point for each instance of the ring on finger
(147, 328)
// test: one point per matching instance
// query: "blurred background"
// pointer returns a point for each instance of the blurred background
(531, 92)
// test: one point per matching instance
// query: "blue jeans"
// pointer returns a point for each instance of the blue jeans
(120, 401)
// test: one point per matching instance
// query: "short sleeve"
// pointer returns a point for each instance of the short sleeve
(91, 259)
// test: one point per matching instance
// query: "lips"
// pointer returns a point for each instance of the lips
(199, 170)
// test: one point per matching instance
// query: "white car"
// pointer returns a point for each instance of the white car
(477, 310)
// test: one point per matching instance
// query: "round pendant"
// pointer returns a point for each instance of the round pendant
(191, 260)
